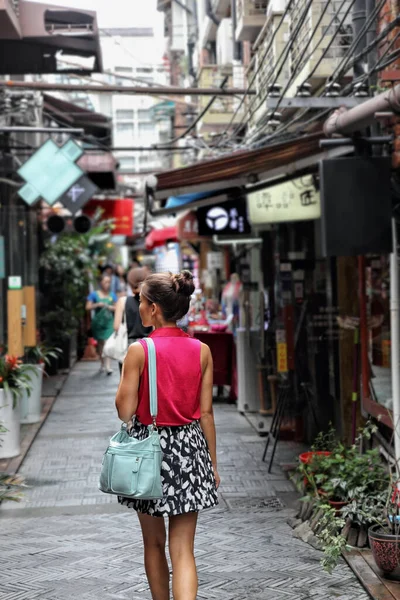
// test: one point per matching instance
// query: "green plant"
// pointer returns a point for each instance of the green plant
(40, 354)
(11, 487)
(14, 377)
(68, 266)
(326, 441)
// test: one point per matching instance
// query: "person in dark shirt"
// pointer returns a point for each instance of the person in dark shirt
(130, 305)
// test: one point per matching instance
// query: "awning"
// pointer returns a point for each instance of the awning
(159, 237)
(249, 169)
(101, 168)
(73, 115)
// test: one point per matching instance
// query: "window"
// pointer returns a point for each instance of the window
(127, 72)
(123, 114)
(146, 129)
(144, 114)
(144, 70)
(127, 164)
(124, 128)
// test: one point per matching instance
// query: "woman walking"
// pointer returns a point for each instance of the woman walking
(130, 305)
(186, 427)
(102, 301)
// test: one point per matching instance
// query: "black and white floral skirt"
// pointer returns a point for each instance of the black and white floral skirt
(187, 474)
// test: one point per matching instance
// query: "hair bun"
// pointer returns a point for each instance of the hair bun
(184, 283)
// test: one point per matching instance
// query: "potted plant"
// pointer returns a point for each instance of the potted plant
(14, 380)
(384, 536)
(39, 358)
(323, 445)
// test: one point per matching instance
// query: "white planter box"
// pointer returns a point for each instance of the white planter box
(31, 406)
(9, 416)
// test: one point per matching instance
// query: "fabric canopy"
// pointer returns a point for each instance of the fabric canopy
(159, 237)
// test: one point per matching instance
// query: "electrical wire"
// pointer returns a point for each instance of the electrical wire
(301, 58)
(334, 79)
(286, 12)
(284, 54)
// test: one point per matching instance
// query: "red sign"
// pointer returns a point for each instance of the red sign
(121, 210)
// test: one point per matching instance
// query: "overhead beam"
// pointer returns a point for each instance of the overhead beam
(314, 102)
(123, 89)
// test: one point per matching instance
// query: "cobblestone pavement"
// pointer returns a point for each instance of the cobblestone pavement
(68, 540)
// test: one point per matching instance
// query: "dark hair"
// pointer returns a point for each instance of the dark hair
(171, 292)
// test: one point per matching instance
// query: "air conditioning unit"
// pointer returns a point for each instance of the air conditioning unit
(225, 43)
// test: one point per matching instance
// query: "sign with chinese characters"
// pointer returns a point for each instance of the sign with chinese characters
(50, 172)
(215, 260)
(227, 218)
(78, 195)
(295, 200)
(188, 227)
(120, 210)
(281, 352)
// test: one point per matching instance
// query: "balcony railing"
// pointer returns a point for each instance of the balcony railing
(323, 55)
(269, 48)
(251, 15)
(221, 111)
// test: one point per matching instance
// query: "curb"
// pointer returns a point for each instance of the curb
(29, 432)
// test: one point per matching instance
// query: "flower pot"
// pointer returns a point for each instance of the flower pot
(338, 505)
(386, 551)
(31, 406)
(9, 416)
(307, 457)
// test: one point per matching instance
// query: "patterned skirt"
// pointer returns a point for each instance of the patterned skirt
(187, 474)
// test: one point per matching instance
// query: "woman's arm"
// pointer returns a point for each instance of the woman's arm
(207, 414)
(126, 400)
(91, 303)
(119, 311)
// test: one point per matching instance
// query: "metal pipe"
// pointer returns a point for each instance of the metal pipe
(348, 121)
(358, 18)
(18, 129)
(395, 344)
(124, 89)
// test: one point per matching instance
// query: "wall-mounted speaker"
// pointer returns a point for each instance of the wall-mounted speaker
(356, 206)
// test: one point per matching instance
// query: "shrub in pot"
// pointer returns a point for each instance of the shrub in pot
(39, 358)
(14, 380)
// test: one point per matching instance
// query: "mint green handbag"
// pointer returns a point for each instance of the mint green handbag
(131, 467)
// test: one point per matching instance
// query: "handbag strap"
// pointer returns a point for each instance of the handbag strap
(152, 369)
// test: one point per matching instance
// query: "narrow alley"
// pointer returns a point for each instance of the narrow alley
(68, 540)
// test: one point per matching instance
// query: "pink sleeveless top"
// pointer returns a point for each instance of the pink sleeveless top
(178, 379)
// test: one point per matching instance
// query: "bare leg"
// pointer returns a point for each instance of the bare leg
(155, 561)
(99, 348)
(182, 529)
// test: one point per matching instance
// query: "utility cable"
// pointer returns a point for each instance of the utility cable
(283, 56)
(283, 17)
(301, 58)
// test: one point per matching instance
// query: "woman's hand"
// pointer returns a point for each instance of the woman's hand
(217, 477)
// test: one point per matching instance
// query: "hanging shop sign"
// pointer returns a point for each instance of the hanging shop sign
(120, 210)
(281, 351)
(50, 172)
(78, 195)
(227, 218)
(215, 260)
(188, 227)
(295, 200)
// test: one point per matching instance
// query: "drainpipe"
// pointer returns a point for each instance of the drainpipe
(210, 13)
(371, 35)
(358, 18)
(345, 121)
(237, 47)
(395, 344)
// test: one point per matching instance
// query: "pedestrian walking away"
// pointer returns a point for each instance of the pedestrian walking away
(130, 305)
(186, 428)
(102, 301)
